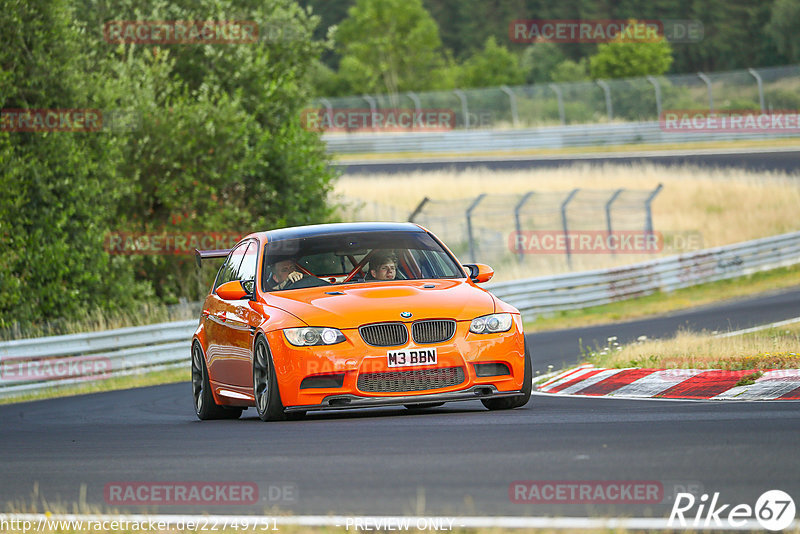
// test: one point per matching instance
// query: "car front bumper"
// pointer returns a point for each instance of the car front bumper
(348, 401)
(353, 359)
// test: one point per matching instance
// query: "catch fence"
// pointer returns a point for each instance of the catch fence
(639, 99)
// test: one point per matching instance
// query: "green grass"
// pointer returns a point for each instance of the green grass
(749, 380)
(660, 302)
(123, 382)
(742, 144)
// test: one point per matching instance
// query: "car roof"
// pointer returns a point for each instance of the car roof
(297, 232)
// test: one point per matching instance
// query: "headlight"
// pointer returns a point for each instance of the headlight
(309, 335)
(489, 324)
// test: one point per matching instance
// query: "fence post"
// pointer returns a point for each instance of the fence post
(649, 220)
(517, 223)
(418, 209)
(512, 103)
(611, 200)
(564, 224)
(710, 95)
(653, 81)
(464, 108)
(607, 91)
(469, 225)
(561, 115)
(760, 83)
(328, 106)
(373, 109)
(413, 96)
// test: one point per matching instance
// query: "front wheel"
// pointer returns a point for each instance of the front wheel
(204, 405)
(265, 385)
(507, 403)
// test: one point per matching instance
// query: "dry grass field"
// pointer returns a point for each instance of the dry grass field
(723, 205)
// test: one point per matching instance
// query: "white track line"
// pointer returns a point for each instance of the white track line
(567, 523)
(759, 328)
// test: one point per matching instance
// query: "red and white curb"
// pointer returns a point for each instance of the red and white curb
(713, 384)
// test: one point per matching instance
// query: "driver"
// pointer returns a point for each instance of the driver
(283, 273)
(383, 266)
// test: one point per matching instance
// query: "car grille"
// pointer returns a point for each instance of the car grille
(433, 331)
(384, 334)
(418, 380)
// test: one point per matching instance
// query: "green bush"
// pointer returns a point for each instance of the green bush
(218, 147)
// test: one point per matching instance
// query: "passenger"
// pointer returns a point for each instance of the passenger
(284, 272)
(383, 266)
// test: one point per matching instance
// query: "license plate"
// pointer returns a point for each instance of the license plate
(408, 357)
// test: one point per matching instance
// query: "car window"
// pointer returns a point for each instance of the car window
(336, 259)
(247, 269)
(230, 269)
(433, 264)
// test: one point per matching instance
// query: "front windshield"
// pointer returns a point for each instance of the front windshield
(362, 257)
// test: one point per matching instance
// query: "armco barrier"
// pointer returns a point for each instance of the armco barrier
(28, 365)
(592, 288)
(160, 346)
(548, 137)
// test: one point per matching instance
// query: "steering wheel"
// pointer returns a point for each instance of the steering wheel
(306, 281)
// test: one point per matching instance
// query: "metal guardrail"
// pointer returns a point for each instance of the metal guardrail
(29, 365)
(546, 294)
(462, 142)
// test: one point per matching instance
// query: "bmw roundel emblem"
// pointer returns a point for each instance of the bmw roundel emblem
(405, 315)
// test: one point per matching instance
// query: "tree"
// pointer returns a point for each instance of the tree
(58, 190)
(783, 26)
(539, 61)
(626, 58)
(220, 147)
(389, 46)
(571, 71)
(492, 66)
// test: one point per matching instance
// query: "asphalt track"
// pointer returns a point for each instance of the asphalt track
(455, 460)
(780, 160)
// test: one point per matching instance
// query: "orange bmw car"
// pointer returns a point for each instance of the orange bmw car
(341, 316)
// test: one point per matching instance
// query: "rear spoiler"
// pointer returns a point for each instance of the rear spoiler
(200, 255)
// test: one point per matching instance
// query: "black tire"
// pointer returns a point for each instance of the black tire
(508, 403)
(265, 385)
(423, 405)
(204, 405)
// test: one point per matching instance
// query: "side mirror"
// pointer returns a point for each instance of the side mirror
(479, 273)
(232, 290)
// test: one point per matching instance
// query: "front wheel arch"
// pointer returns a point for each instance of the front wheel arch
(266, 392)
(205, 405)
(508, 403)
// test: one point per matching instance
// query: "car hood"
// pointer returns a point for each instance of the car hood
(350, 306)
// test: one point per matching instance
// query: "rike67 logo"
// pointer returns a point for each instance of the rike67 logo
(774, 510)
